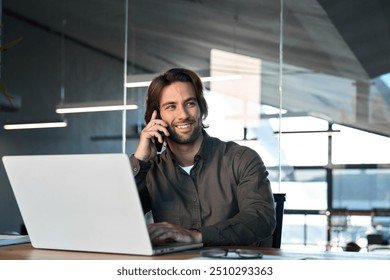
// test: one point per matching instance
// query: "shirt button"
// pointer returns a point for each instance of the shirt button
(194, 199)
(135, 169)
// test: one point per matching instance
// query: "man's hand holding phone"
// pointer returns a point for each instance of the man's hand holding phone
(152, 134)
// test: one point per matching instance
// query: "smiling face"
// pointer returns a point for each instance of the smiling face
(180, 110)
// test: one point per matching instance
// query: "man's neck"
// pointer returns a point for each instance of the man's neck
(185, 153)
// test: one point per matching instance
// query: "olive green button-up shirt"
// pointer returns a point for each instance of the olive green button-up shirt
(227, 195)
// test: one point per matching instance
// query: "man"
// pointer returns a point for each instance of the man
(199, 188)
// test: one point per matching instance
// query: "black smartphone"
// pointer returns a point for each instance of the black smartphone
(156, 142)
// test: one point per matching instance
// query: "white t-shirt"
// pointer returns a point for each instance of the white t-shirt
(187, 168)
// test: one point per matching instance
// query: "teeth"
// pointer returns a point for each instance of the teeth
(183, 126)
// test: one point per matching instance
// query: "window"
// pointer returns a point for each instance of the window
(300, 144)
(305, 189)
(308, 230)
(353, 146)
(361, 189)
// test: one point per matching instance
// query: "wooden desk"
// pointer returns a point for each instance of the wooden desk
(27, 252)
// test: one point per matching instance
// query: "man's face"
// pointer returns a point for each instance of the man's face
(180, 110)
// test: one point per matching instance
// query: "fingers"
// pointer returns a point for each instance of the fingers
(156, 125)
(154, 115)
(159, 229)
(156, 121)
(146, 150)
(156, 128)
(163, 232)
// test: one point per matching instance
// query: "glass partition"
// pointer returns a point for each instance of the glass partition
(289, 86)
(361, 188)
(301, 106)
(354, 146)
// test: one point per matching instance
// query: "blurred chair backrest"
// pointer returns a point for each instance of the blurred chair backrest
(279, 198)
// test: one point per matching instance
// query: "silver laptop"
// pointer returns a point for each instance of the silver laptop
(85, 202)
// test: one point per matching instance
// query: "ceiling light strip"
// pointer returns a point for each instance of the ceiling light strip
(138, 84)
(35, 125)
(88, 109)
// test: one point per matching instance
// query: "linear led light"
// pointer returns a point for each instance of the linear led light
(71, 108)
(138, 84)
(329, 131)
(204, 79)
(35, 125)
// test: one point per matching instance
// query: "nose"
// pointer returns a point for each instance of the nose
(182, 113)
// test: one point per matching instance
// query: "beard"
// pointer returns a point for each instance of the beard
(186, 139)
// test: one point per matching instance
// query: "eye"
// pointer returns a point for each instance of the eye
(191, 104)
(170, 107)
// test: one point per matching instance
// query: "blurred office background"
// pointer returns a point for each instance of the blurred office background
(306, 83)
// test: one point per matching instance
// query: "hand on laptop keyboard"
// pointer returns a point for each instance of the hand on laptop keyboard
(165, 232)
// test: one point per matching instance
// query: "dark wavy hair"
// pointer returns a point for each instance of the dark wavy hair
(169, 77)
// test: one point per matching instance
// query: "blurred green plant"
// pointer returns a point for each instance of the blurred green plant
(3, 49)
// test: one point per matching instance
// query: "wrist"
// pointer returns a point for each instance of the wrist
(141, 158)
(197, 235)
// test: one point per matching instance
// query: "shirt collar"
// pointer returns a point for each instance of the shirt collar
(203, 152)
(205, 148)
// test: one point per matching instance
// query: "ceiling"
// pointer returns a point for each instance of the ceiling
(344, 38)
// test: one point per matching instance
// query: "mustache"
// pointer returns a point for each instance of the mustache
(188, 120)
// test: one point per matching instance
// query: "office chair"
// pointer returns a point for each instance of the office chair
(279, 198)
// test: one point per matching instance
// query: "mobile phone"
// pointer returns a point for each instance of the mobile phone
(159, 145)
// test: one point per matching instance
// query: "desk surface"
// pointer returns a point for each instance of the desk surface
(27, 252)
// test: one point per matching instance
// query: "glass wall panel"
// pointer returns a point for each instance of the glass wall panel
(353, 146)
(361, 189)
(350, 228)
(305, 189)
(307, 230)
(316, 230)
(234, 95)
(309, 77)
(302, 142)
(293, 230)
